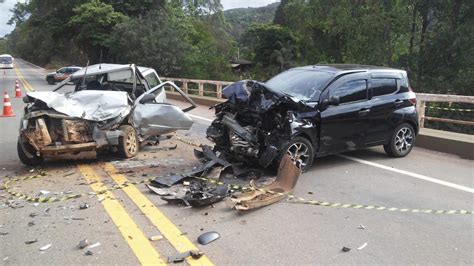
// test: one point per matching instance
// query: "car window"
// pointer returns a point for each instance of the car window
(351, 91)
(383, 86)
(152, 80)
(62, 70)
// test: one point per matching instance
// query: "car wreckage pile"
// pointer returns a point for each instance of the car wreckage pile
(250, 126)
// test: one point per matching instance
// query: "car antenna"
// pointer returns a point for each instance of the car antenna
(85, 72)
(100, 60)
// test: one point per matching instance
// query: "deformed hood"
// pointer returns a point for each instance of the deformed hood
(89, 105)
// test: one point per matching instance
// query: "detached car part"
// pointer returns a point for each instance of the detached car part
(284, 184)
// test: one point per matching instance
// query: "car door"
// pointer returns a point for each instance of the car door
(384, 102)
(152, 116)
(344, 126)
(61, 74)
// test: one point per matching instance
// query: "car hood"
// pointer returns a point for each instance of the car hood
(89, 105)
(51, 74)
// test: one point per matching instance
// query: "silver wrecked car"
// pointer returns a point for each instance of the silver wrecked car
(109, 106)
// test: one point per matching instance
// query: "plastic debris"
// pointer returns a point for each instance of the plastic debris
(361, 226)
(83, 206)
(156, 238)
(83, 244)
(94, 245)
(6, 258)
(89, 253)
(195, 254)
(31, 241)
(345, 249)
(43, 248)
(363, 246)
(44, 192)
(208, 237)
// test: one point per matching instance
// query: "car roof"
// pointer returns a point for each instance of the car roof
(104, 68)
(347, 68)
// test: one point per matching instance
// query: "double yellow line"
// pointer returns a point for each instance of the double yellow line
(26, 85)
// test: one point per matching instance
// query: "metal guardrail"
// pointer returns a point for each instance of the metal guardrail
(423, 98)
(213, 88)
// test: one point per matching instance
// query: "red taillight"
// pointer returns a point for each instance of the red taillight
(412, 96)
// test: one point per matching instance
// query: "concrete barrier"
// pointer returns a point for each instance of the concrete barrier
(444, 141)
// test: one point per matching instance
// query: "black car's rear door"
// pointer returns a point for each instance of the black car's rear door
(344, 126)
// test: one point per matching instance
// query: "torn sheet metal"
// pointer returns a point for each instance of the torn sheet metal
(159, 119)
(89, 105)
(287, 176)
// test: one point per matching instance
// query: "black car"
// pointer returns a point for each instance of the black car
(315, 111)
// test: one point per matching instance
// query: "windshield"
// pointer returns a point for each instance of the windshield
(6, 60)
(300, 83)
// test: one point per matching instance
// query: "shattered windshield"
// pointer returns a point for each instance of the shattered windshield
(300, 83)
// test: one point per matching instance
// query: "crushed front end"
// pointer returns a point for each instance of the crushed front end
(256, 123)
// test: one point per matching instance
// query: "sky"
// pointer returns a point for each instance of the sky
(6, 5)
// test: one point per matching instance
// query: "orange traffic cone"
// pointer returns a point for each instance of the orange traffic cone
(7, 106)
(17, 90)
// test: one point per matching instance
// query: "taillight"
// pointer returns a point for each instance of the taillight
(412, 96)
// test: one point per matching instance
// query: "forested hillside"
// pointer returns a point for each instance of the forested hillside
(433, 40)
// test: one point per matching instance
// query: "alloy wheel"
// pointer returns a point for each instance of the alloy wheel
(404, 140)
(299, 153)
(131, 142)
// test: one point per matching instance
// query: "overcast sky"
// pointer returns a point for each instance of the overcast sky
(6, 5)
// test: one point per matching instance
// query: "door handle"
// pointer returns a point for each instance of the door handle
(398, 102)
(364, 112)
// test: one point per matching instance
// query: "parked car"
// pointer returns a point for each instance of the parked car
(314, 111)
(61, 74)
(115, 107)
(6, 61)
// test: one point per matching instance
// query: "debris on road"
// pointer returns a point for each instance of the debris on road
(287, 176)
(361, 226)
(89, 253)
(363, 246)
(31, 241)
(32, 215)
(345, 249)
(83, 244)
(44, 248)
(31, 223)
(94, 245)
(43, 192)
(3, 233)
(195, 254)
(208, 237)
(156, 238)
(83, 206)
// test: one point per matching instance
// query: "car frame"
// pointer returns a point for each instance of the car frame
(262, 121)
(109, 106)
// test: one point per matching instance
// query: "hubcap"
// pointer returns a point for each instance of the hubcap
(131, 142)
(403, 140)
(299, 153)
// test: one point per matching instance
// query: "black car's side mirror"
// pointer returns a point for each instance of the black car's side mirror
(148, 98)
(333, 100)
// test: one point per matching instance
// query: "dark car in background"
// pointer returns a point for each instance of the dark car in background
(315, 111)
(61, 74)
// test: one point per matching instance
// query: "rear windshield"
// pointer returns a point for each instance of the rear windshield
(300, 83)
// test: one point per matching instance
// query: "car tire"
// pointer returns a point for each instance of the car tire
(302, 146)
(401, 141)
(36, 160)
(128, 143)
(50, 80)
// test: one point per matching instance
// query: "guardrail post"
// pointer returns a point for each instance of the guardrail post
(421, 106)
(219, 91)
(185, 87)
(201, 88)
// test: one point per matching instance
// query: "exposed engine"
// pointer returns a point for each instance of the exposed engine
(255, 123)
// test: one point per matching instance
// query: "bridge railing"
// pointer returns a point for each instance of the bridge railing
(424, 98)
(213, 88)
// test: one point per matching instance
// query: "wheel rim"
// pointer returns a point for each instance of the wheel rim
(299, 152)
(404, 140)
(131, 142)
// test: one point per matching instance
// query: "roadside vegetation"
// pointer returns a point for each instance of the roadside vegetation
(433, 40)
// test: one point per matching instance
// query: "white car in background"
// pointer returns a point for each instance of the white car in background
(6, 61)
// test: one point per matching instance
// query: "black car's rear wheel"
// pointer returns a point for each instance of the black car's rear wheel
(50, 80)
(128, 143)
(35, 160)
(401, 142)
(301, 151)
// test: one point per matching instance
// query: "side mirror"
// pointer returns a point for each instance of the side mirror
(333, 100)
(147, 98)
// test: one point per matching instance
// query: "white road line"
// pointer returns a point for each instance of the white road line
(202, 118)
(403, 172)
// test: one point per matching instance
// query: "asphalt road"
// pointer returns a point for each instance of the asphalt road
(282, 233)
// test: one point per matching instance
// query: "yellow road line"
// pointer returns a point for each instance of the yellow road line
(179, 241)
(140, 245)
(22, 79)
